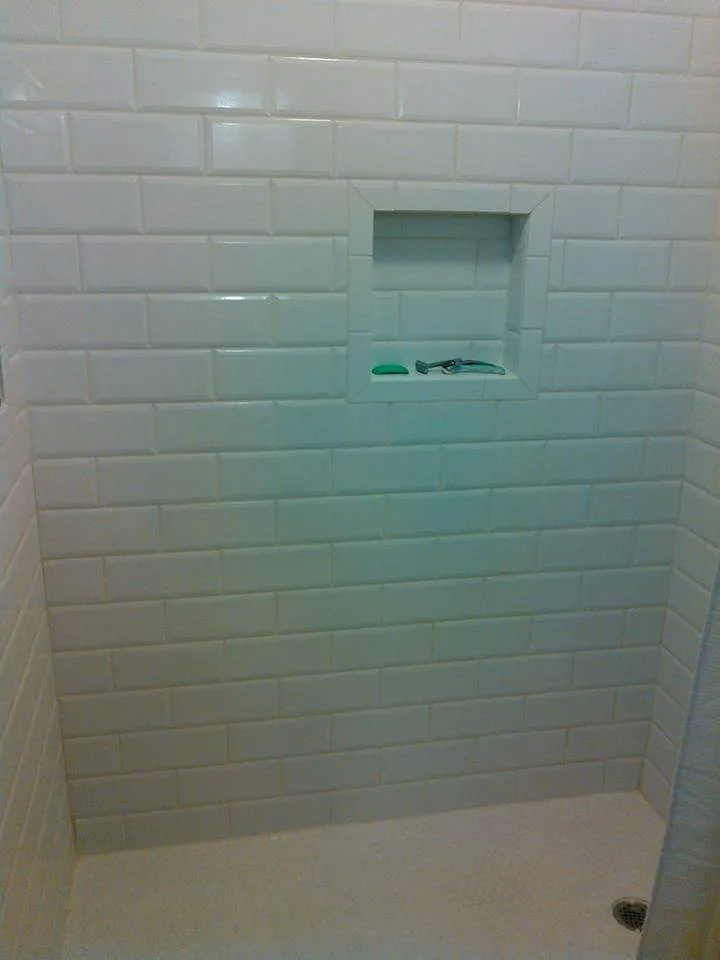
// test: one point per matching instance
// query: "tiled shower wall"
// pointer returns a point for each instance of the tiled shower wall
(273, 608)
(35, 832)
(697, 553)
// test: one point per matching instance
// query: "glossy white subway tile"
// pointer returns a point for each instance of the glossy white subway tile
(333, 88)
(172, 22)
(140, 263)
(573, 99)
(499, 33)
(173, 80)
(56, 76)
(172, 205)
(390, 28)
(394, 150)
(136, 143)
(455, 93)
(271, 147)
(272, 264)
(613, 41)
(45, 264)
(35, 141)
(484, 153)
(299, 27)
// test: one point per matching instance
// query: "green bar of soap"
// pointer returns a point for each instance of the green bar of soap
(383, 369)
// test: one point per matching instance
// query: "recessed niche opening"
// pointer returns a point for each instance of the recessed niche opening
(442, 286)
(432, 285)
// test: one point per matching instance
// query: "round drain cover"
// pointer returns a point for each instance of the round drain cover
(630, 912)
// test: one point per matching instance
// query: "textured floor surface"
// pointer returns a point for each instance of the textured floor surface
(530, 881)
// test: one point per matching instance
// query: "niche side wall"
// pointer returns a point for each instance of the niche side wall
(273, 608)
(35, 834)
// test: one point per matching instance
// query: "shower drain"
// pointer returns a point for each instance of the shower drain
(630, 912)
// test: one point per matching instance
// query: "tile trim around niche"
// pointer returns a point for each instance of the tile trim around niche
(522, 353)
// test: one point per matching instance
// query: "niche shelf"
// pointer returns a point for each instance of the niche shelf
(437, 273)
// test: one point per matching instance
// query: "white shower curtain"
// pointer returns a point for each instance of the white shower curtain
(684, 918)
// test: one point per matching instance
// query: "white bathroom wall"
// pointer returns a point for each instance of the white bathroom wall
(697, 554)
(35, 832)
(273, 608)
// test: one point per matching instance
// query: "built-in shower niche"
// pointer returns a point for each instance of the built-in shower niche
(431, 284)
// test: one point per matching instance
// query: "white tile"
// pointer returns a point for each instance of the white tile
(162, 22)
(675, 103)
(57, 76)
(451, 793)
(427, 514)
(273, 264)
(165, 575)
(586, 212)
(475, 639)
(279, 814)
(257, 374)
(394, 29)
(205, 206)
(74, 204)
(45, 264)
(277, 657)
(153, 144)
(492, 464)
(214, 426)
(476, 717)
(595, 459)
(567, 415)
(123, 794)
(106, 625)
(74, 431)
(34, 141)
(126, 480)
(605, 366)
(616, 265)
(92, 714)
(700, 162)
(31, 19)
(532, 593)
(216, 525)
(119, 376)
(229, 782)
(335, 692)
(455, 93)
(377, 803)
(617, 157)
(568, 780)
(440, 423)
(332, 772)
(607, 742)
(85, 321)
(505, 34)
(121, 263)
(304, 27)
(186, 321)
(538, 507)
(513, 154)
(307, 207)
(386, 470)
(390, 150)
(423, 761)
(381, 646)
(167, 665)
(431, 682)
(706, 43)
(330, 520)
(224, 703)
(74, 581)
(337, 608)
(665, 412)
(627, 42)
(173, 80)
(535, 674)
(570, 99)
(569, 709)
(690, 264)
(656, 317)
(278, 738)
(66, 533)
(578, 549)
(615, 667)
(271, 147)
(378, 728)
(92, 756)
(517, 750)
(672, 214)
(86, 672)
(333, 88)
(383, 562)
(55, 378)
(198, 824)
(253, 476)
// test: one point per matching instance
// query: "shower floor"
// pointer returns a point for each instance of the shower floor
(526, 881)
